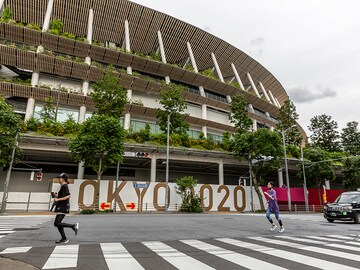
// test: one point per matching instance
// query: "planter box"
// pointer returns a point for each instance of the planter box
(62, 67)
(95, 74)
(81, 49)
(22, 90)
(66, 45)
(45, 63)
(80, 71)
(6, 88)
(8, 56)
(2, 30)
(26, 59)
(49, 41)
(14, 33)
(126, 80)
(139, 85)
(125, 59)
(40, 93)
(111, 56)
(97, 53)
(32, 37)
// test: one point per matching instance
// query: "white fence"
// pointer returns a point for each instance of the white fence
(27, 201)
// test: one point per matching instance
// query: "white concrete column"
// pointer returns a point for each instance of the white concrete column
(204, 130)
(88, 60)
(202, 91)
(29, 109)
(129, 94)
(228, 99)
(272, 98)
(254, 125)
(35, 78)
(127, 36)
(264, 91)
(1, 4)
(253, 85)
(153, 169)
(272, 128)
(204, 116)
(218, 71)
(81, 171)
(192, 58)
(251, 108)
(85, 88)
(129, 70)
(49, 9)
(89, 36)
(82, 114)
(127, 121)
(221, 171)
(278, 103)
(237, 76)
(280, 177)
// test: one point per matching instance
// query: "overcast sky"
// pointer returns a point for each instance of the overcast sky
(311, 46)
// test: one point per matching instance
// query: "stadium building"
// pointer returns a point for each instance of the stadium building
(149, 49)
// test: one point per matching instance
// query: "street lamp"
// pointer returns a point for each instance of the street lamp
(305, 186)
(167, 162)
(286, 166)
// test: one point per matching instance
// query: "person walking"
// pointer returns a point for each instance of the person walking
(63, 208)
(273, 207)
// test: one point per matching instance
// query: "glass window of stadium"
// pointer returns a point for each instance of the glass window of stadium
(62, 115)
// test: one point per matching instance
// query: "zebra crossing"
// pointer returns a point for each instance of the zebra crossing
(12, 224)
(257, 253)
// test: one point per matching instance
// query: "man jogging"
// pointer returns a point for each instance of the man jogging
(63, 208)
(273, 207)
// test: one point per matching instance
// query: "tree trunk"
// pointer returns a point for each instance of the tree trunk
(258, 192)
(99, 173)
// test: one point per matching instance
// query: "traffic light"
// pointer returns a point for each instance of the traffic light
(39, 176)
(142, 154)
(242, 182)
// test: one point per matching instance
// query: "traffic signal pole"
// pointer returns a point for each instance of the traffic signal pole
(7, 181)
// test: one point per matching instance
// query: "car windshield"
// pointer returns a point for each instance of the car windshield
(348, 198)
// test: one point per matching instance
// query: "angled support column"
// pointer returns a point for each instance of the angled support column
(49, 9)
(162, 53)
(237, 76)
(278, 103)
(81, 168)
(1, 5)
(204, 116)
(253, 85)
(192, 58)
(89, 36)
(229, 99)
(218, 71)
(264, 91)
(272, 98)
(127, 43)
(29, 109)
(127, 121)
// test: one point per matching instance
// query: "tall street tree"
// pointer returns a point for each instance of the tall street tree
(251, 146)
(350, 138)
(324, 133)
(318, 168)
(173, 103)
(100, 140)
(287, 117)
(351, 171)
(10, 124)
(239, 113)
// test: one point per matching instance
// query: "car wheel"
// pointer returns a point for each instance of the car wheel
(330, 220)
(357, 218)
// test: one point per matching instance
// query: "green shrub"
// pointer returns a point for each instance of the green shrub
(155, 56)
(70, 125)
(56, 27)
(87, 212)
(33, 26)
(191, 202)
(21, 24)
(209, 73)
(195, 205)
(7, 15)
(68, 35)
(32, 124)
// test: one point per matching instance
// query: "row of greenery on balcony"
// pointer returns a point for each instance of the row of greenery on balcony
(57, 28)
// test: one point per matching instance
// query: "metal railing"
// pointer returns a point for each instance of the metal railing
(28, 201)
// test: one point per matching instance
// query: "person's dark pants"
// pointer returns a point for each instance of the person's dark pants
(60, 225)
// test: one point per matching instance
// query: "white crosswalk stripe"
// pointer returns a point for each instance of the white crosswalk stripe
(274, 253)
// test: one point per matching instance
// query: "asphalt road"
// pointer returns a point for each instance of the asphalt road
(183, 241)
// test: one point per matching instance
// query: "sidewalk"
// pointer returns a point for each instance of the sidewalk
(9, 264)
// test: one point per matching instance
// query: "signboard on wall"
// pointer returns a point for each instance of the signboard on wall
(215, 197)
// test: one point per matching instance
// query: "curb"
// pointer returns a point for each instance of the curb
(9, 264)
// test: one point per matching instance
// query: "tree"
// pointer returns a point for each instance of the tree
(191, 202)
(56, 27)
(350, 138)
(109, 96)
(48, 113)
(99, 144)
(251, 146)
(351, 171)
(324, 134)
(318, 168)
(287, 118)
(10, 124)
(239, 113)
(172, 101)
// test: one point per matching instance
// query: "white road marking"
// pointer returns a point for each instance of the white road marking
(15, 250)
(63, 257)
(117, 257)
(231, 256)
(175, 257)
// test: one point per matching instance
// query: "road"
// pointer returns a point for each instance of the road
(182, 241)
